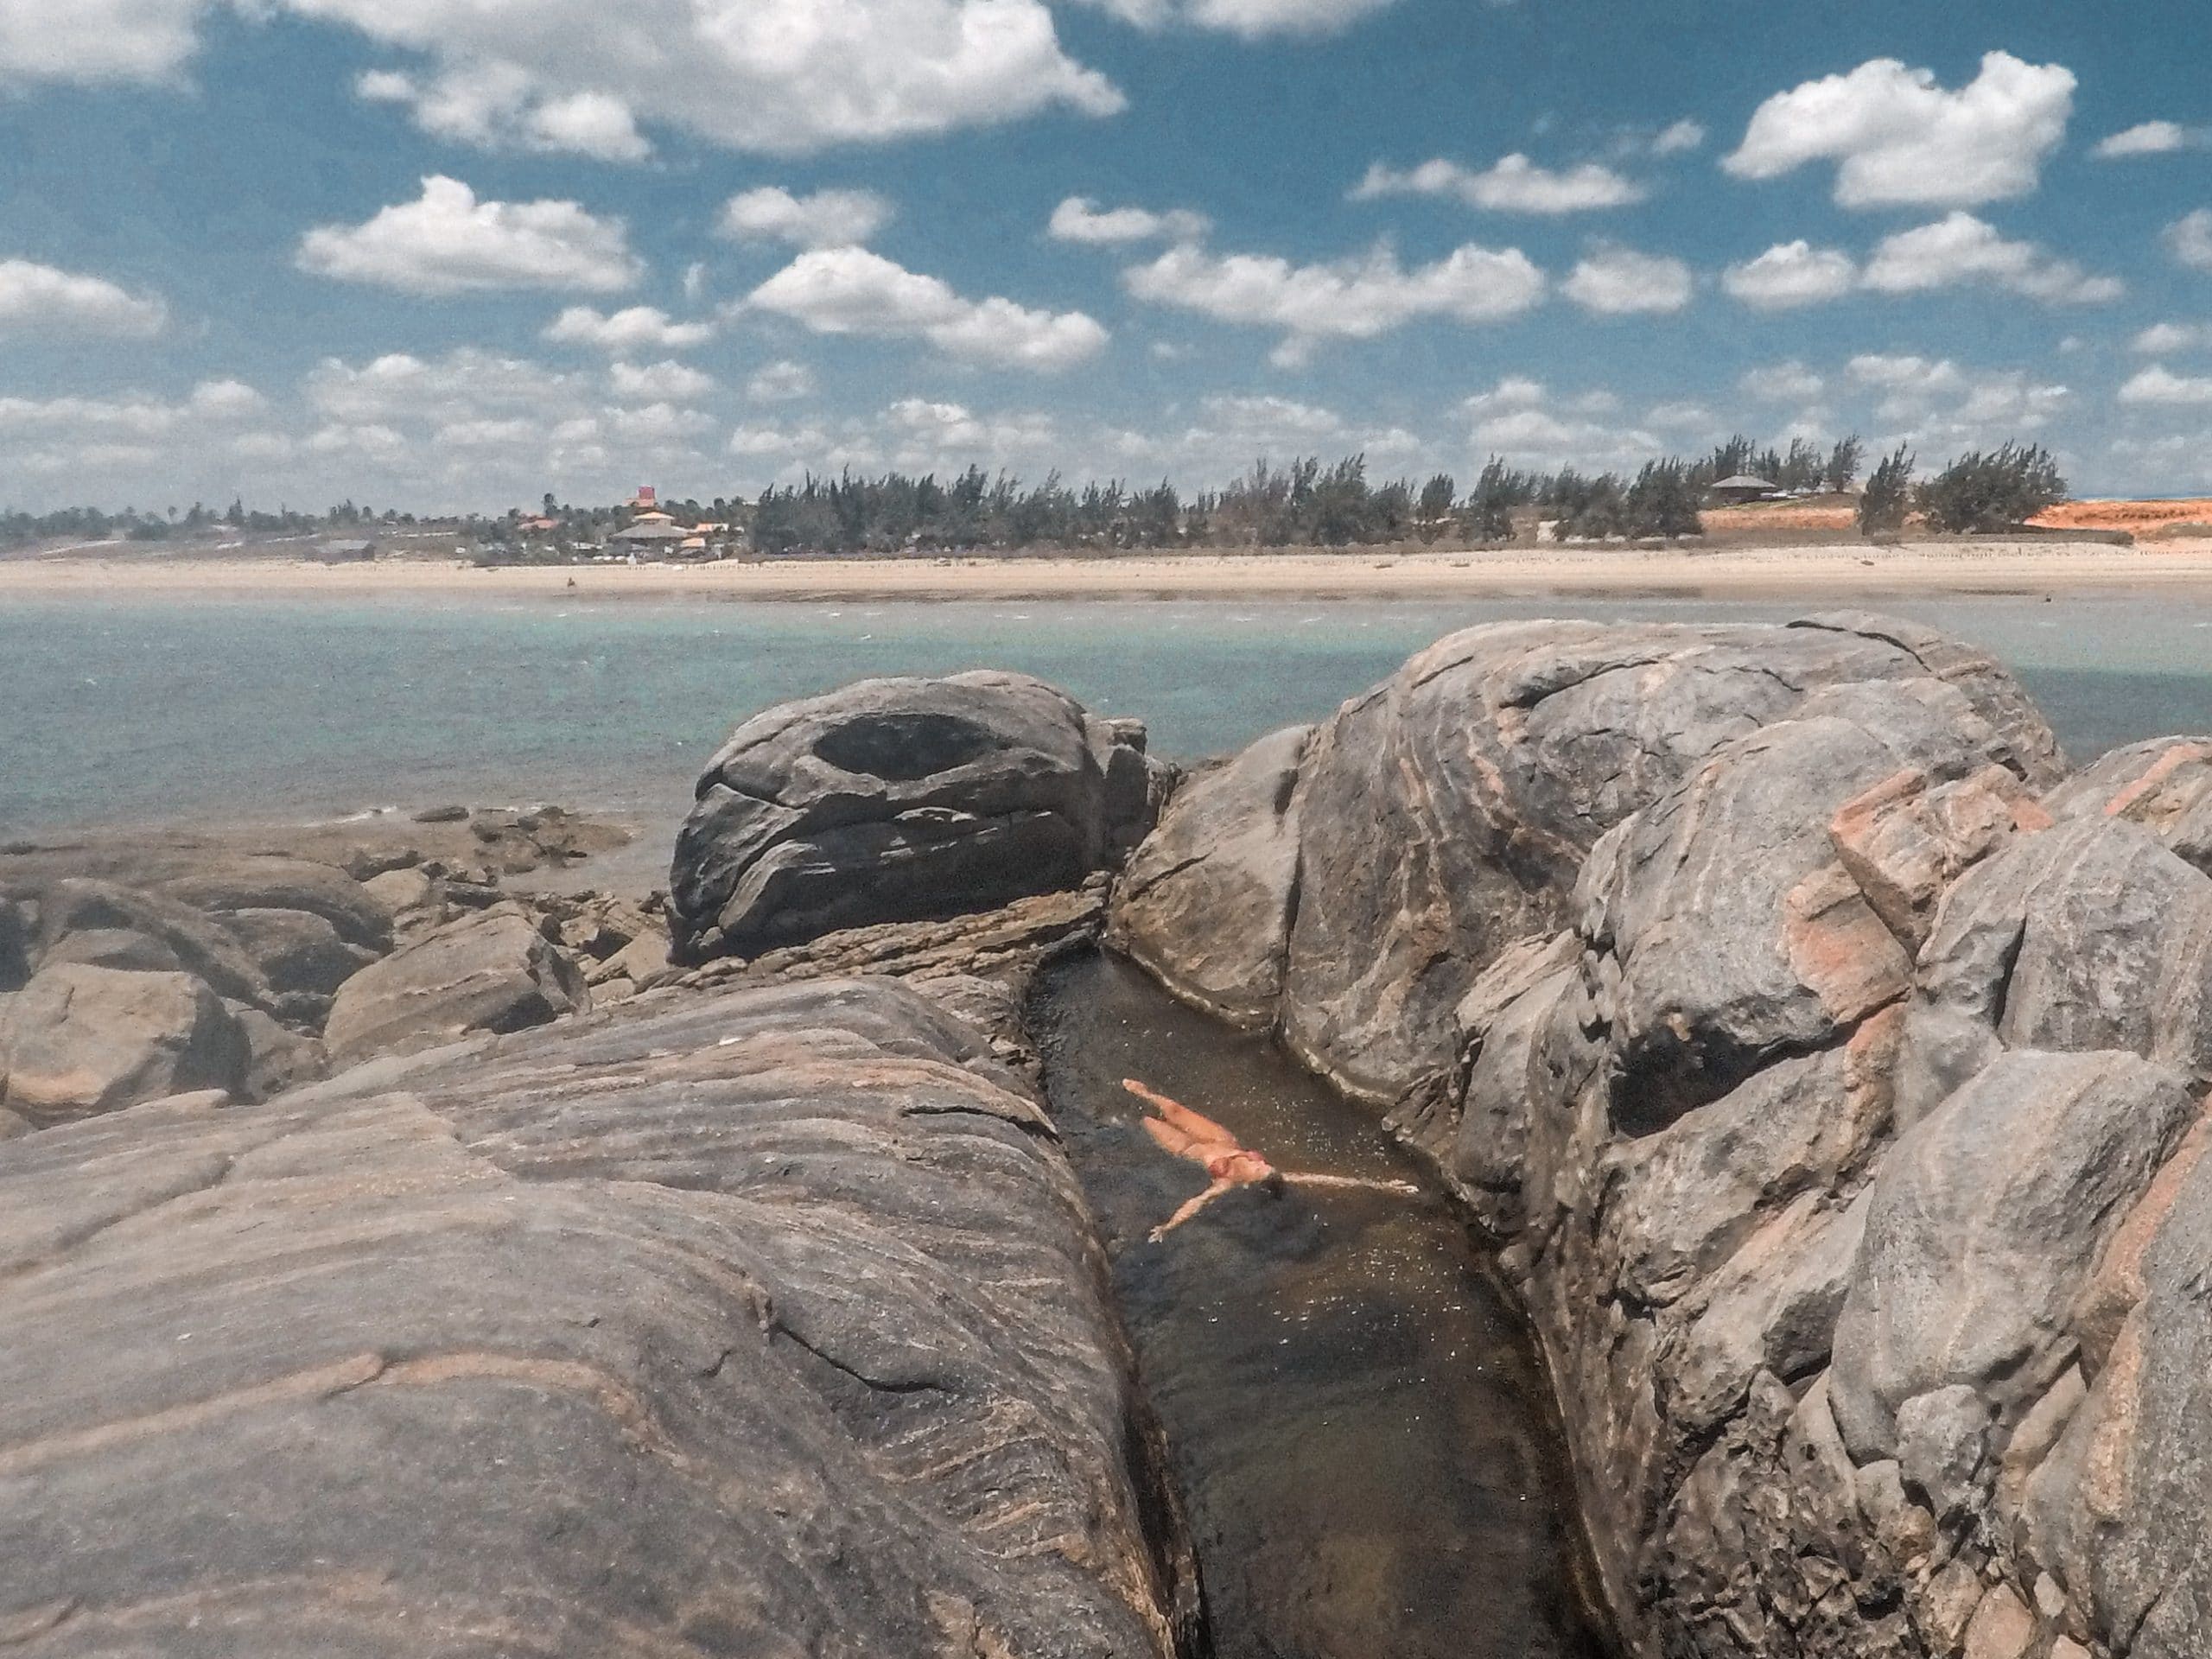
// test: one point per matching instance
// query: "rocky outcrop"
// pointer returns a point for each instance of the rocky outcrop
(904, 800)
(1446, 814)
(1207, 901)
(1831, 1073)
(79, 1040)
(784, 1335)
(493, 972)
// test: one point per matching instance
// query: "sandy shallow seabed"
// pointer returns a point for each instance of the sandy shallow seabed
(1728, 572)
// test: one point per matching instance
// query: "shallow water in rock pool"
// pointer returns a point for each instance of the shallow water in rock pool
(1358, 1422)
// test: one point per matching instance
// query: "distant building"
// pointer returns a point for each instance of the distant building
(346, 552)
(1742, 490)
(646, 500)
(651, 538)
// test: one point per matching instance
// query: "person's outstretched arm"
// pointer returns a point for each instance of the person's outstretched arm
(1191, 1209)
(1366, 1184)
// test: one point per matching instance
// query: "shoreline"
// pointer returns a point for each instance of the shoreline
(1733, 572)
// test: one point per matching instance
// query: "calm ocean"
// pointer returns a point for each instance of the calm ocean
(183, 711)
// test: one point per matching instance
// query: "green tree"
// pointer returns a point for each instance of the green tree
(1882, 508)
(1844, 461)
(1997, 490)
(1434, 509)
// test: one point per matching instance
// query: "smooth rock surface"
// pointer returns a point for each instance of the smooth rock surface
(1206, 904)
(492, 972)
(296, 950)
(783, 1337)
(903, 800)
(82, 1040)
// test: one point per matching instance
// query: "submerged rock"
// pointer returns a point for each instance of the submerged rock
(904, 800)
(492, 972)
(785, 1336)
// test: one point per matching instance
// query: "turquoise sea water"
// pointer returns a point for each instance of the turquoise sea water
(182, 711)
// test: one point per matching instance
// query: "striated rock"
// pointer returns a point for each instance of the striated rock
(83, 1040)
(2165, 786)
(784, 1337)
(276, 1057)
(493, 972)
(903, 800)
(296, 950)
(1447, 813)
(1206, 903)
(1905, 841)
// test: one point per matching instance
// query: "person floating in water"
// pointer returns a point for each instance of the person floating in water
(1179, 1130)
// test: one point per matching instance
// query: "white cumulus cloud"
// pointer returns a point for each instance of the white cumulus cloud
(2189, 239)
(1252, 19)
(1959, 248)
(1792, 274)
(1353, 299)
(667, 381)
(828, 219)
(36, 298)
(1080, 220)
(2161, 385)
(2151, 138)
(636, 329)
(851, 292)
(1679, 138)
(780, 383)
(1898, 136)
(1514, 185)
(447, 242)
(1790, 382)
(2162, 337)
(1618, 282)
(779, 76)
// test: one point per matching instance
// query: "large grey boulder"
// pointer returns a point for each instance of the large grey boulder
(785, 1336)
(1447, 813)
(904, 799)
(79, 1041)
(1206, 903)
(78, 906)
(493, 972)
(274, 881)
(1985, 1221)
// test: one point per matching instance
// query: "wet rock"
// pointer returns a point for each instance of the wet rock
(1207, 902)
(898, 800)
(494, 972)
(442, 815)
(82, 1040)
(16, 936)
(1985, 1221)
(296, 950)
(785, 1336)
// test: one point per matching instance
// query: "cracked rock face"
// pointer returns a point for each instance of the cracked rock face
(1832, 1072)
(766, 1323)
(1446, 814)
(905, 800)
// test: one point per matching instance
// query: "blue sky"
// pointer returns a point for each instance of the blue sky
(378, 248)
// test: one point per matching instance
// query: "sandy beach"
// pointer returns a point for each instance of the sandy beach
(1728, 571)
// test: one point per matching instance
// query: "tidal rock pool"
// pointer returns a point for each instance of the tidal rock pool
(1362, 1432)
